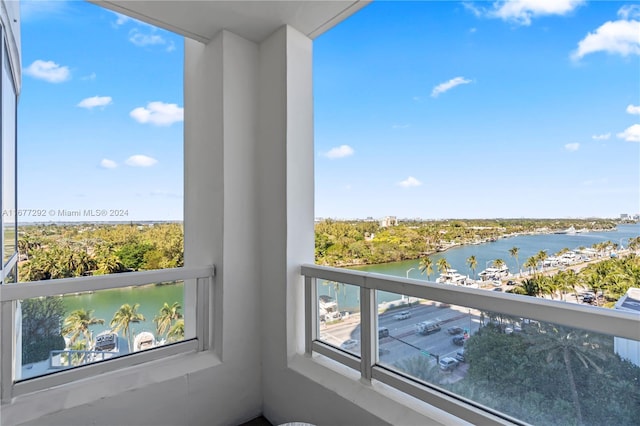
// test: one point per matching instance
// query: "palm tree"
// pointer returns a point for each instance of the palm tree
(513, 252)
(473, 263)
(498, 263)
(443, 265)
(528, 287)
(426, 266)
(77, 323)
(541, 256)
(123, 318)
(567, 344)
(176, 333)
(168, 314)
(531, 264)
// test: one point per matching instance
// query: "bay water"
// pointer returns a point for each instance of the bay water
(528, 245)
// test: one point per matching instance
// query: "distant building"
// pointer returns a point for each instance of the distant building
(628, 349)
(624, 216)
(389, 221)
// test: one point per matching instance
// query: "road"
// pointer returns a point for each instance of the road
(404, 341)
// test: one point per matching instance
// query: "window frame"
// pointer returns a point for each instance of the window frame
(201, 278)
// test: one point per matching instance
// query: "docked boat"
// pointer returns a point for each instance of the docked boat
(143, 341)
(451, 276)
(106, 345)
(328, 308)
(494, 273)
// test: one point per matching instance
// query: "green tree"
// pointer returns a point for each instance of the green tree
(176, 333)
(78, 323)
(41, 322)
(123, 319)
(168, 314)
(426, 267)
(566, 344)
(473, 264)
(513, 252)
(443, 265)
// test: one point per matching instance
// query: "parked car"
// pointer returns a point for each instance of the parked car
(588, 298)
(383, 332)
(458, 340)
(349, 344)
(454, 330)
(447, 363)
(497, 289)
(402, 315)
(460, 355)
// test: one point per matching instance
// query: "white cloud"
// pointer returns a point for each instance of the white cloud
(602, 137)
(448, 85)
(108, 164)
(410, 182)
(522, 11)
(158, 113)
(340, 152)
(120, 19)
(631, 134)
(91, 77)
(620, 37)
(95, 101)
(140, 161)
(48, 71)
(572, 146)
(630, 11)
(150, 39)
(633, 109)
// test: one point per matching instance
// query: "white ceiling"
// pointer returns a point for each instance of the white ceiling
(253, 20)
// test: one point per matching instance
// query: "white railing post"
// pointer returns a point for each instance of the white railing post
(7, 343)
(311, 313)
(368, 332)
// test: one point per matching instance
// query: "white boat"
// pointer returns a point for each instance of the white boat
(143, 341)
(106, 345)
(451, 276)
(328, 308)
(494, 273)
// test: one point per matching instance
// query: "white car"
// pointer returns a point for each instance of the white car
(448, 363)
(402, 315)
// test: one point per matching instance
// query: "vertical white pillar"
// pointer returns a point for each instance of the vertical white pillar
(285, 198)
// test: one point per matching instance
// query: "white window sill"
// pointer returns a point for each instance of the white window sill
(383, 401)
(91, 389)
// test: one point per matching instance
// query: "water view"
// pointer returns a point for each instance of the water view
(485, 253)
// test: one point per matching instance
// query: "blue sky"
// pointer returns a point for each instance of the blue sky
(100, 115)
(479, 109)
(422, 109)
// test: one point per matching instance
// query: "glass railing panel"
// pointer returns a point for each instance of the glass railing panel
(538, 372)
(408, 326)
(61, 332)
(339, 315)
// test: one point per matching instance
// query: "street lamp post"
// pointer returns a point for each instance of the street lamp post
(409, 270)
(407, 276)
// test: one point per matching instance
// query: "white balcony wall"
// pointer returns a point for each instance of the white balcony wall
(224, 387)
(249, 210)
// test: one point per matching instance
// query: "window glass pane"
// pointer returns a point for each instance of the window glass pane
(424, 326)
(514, 365)
(100, 145)
(74, 330)
(8, 162)
(339, 315)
